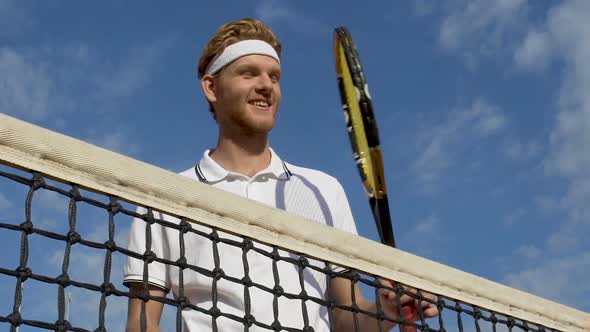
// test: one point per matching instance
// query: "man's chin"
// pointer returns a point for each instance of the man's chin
(257, 127)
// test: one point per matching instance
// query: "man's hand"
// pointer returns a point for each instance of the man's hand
(409, 306)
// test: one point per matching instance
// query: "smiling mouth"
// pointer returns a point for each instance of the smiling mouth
(260, 104)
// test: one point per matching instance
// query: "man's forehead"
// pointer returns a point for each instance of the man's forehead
(257, 60)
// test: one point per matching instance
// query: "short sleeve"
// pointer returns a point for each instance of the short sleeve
(157, 272)
(342, 212)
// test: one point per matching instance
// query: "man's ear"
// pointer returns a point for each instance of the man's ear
(209, 88)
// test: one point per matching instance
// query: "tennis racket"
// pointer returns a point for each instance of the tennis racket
(362, 130)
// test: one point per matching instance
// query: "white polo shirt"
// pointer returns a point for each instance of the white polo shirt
(306, 192)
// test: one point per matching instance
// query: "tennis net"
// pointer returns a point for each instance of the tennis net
(68, 210)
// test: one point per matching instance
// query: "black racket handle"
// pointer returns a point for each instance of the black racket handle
(380, 209)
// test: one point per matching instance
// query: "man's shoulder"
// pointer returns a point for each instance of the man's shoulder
(313, 175)
(189, 173)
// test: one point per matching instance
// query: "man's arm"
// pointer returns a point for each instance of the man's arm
(344, 320)
(153, 309)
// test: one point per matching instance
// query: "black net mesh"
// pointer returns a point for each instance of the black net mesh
(72, 251)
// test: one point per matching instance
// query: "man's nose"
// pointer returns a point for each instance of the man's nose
(264, 82)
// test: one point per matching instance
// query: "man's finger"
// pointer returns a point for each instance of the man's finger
(408, 315)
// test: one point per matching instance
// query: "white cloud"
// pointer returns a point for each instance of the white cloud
(529, 251)
(4, 202)
(115, 141)
(428, 230)
(565, 262)
(562, 37)
(482, 24)
(520, 151)
(427, 226)
(535, 51)
(563, 279)
(423, 8)
(438, 146)
(25, 85)
(88, 266)
(53, 79)
(514, 216)
(50, 210)
(568, 156)
(270, 11)
(14, 18)
(547, 202)
(133, 72)
(487, 118)
(100, 234)
(52, 200)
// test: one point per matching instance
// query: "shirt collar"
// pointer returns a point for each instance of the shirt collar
(207, 170)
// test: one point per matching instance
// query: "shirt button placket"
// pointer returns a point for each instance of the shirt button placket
(251, 182)
(247, 185)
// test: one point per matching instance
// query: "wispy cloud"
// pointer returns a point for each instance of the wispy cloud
(563, 36)
(117, 141)
(50, 210)
(428, 230)
(480, 29)
(423, 8)
(529, 251)
(25, 85)
(88, 266)
(51, 200)
(100, 233)
(55, 79)
(548, 203)
(567, 28)
(481, 23)
(566, 254)
(427, 226)
(4, 202)
(15, 18)
(567, 277)
(535, 51)
(276, 11)
(514, 216)
(440, 145)
(521, 151)
(133, 72)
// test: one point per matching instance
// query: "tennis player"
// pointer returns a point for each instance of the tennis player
(240, 73)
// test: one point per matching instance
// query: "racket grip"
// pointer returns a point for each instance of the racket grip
(383, 218)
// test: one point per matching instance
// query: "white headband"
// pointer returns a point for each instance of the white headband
(238, 50)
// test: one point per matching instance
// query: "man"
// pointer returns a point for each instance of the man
(240, 76)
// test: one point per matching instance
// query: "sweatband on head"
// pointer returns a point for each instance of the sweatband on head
(238, 50)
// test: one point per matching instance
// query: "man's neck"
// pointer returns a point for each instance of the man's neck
(243, 155)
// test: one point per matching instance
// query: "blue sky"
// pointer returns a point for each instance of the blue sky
(482, 106)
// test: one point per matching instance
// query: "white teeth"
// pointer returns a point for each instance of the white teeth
(260, 103)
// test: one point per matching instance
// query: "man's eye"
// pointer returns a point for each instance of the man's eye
(247, 74)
